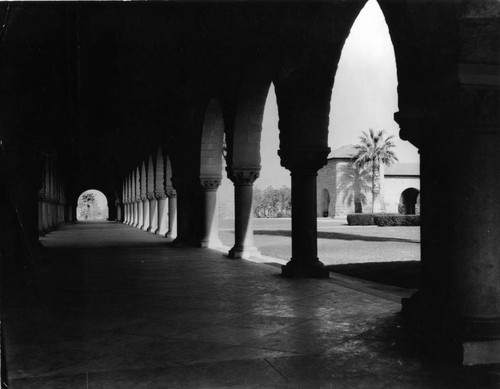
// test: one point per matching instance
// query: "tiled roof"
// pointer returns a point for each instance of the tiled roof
(343, 152)
(403, 169)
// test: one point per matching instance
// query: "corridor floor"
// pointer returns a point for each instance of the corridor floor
(118, 308)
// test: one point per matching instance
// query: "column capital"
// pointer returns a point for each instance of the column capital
(143, 198)
(243, 176)
(151, 196)
(171, 193)
(210, 182)
(118, 202)
(308, 160)
(160, 195)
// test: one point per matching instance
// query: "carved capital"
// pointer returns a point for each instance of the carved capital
(150, 196)
(160, 195)
(171, 193)
(143, 198)
(303, 159)
(210, 182)
(243, 176)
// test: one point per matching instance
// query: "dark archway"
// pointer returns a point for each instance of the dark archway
(408, 201)
(325, 202)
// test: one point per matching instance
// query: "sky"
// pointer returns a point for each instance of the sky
(364, 96)
(100, 199)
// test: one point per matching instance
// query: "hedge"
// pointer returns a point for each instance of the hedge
(396, 220)
(360, 219)
(382, 220)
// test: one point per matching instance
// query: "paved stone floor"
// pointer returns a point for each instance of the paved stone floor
(118, 308)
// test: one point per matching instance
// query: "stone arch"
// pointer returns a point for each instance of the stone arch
(150, 176)
(243, 142)
(159, 173)
(325, 202)
(408, 201)
(212, 141)
(93, 210)
(144, 180)
(424, 39)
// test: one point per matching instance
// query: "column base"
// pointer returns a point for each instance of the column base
(170, 235)
(210, 243)
(444, 336)
(243, 252)
(144, 228)
(293, 269)
(179, 242)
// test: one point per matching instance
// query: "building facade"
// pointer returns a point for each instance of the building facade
(337, 191)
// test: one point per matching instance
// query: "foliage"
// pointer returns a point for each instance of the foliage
(360, 219)
(374, 150)
(396, 220)
(88, 198)
(87, 201)
(354, 183)
(272, 202)
(382, 220)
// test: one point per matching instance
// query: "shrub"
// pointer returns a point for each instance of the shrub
(396, 220)
(382, 219)
(360, 219)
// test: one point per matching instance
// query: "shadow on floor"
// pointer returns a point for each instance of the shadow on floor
(338, 235)
(401, 274)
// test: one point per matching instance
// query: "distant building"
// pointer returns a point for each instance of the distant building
(400, 187)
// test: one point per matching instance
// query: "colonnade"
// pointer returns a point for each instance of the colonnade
(149, 200)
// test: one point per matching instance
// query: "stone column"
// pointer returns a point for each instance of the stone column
(243, 180)
(135, 213)
(172, 214)
(153, 213)
(304, 167)
(140, 212)
(50, 211)
(211, 217)
(162, 214)
(129, 202)
(145, 214)
(118, 205)
(41, 230)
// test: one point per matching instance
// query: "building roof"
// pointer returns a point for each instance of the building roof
(347, 151)
(403, 169)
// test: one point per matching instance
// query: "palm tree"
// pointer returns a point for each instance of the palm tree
(374, 150)
(353, 185)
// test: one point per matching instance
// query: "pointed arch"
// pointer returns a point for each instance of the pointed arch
(151, 176)
(144, 180)
(137, 183)
(159, 173)
(212, 141)
(243, 141)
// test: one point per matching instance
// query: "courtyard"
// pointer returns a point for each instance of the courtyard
(338, 243)
(117, 307)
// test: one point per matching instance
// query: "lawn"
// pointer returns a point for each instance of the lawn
(382, 254)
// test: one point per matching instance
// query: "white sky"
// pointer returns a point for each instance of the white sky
(364, 96)
(100, 202)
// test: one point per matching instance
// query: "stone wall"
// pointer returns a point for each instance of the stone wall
(329, 179)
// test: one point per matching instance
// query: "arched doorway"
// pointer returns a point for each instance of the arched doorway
(92, 205)
(325, 202)
(408, 201)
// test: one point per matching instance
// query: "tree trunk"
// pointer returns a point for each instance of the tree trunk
(376, 206)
